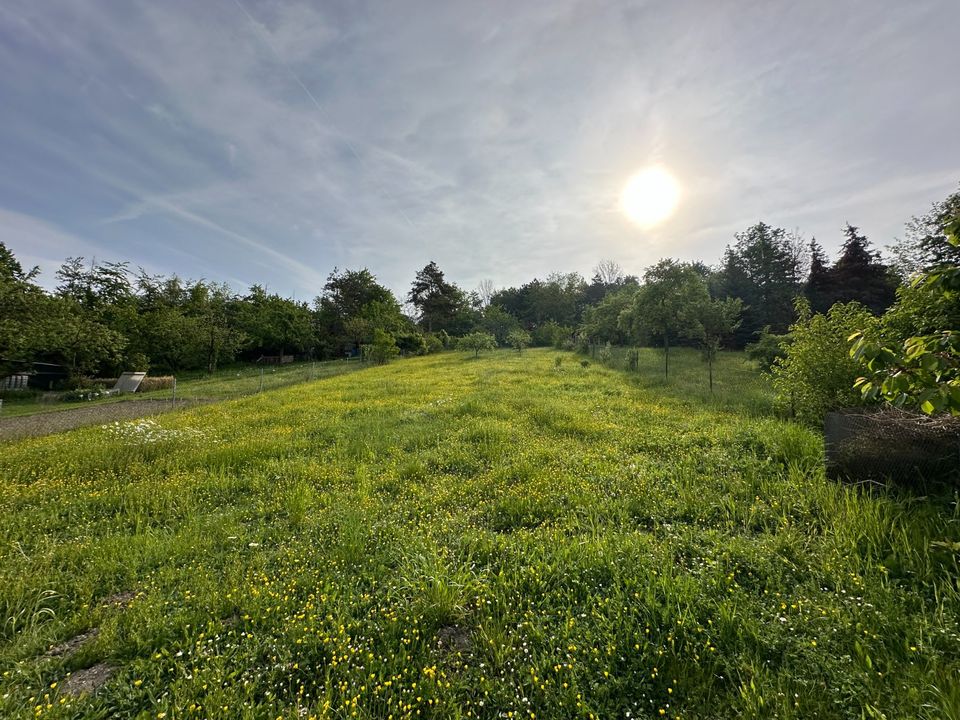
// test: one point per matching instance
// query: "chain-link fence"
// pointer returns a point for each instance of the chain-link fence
(890, 445)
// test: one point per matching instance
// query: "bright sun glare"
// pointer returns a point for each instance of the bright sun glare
(650, 196)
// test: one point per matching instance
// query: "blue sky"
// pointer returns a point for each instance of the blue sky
(258, 141)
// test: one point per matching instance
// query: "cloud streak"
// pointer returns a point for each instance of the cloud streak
(272, 141)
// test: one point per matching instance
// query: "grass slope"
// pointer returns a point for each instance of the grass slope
(223, 384)
(448, 537)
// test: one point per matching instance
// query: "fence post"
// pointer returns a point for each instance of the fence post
(261, 380)
(174, 389)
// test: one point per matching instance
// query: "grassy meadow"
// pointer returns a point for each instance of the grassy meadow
(225, 383)
(449, 537)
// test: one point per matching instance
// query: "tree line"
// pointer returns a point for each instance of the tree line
(103, 317)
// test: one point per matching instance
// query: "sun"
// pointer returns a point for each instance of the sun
(650, 196)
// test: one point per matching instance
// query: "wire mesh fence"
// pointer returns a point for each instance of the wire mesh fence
(890, 445)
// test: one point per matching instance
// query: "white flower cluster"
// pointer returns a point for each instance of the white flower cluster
(148, 431)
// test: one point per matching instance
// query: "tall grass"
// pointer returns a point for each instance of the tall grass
(457, 537)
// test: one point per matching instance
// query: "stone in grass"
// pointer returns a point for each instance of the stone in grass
(88, 680)
(70, 646)
(120, 599)
(454, 639)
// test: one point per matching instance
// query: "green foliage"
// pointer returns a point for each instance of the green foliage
(83, 394)
(666, 305)
(434, 342)
(601, 322)
(858, 275)
(411, 343)
(817, 373)
(275, 325)
(551, 334)
(382, 349)
(768, 348)
(762, 268)
(717, 320)
(558, 299)
(924, 374)
(926, 243)
(440, 304)
(477, 341)
(21, 309)
(605, 354)
(518, 339)
(924, 371)
(352, 306)
(498, 322)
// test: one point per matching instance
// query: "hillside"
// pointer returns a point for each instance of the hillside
(455, 537)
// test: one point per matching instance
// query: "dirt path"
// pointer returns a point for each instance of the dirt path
(15, 428)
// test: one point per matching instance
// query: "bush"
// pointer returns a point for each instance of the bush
(411, 343)
(551, 334)
(433, 343)
(382, 349)
(817, 374)
(768, 348)
(922, 371)
(518, 339)
(25, 394)
(606, 352)
(81, 395)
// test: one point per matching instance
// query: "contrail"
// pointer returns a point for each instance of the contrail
(296, 78)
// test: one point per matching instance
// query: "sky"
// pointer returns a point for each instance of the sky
(258, 141)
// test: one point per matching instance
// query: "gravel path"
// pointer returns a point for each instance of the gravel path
(46, 423)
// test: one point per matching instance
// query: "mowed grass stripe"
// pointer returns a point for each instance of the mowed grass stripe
(457, 537)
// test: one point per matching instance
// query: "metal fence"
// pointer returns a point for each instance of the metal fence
(889, 445)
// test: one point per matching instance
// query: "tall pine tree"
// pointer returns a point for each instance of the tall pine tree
(859, 274)
(818, 286)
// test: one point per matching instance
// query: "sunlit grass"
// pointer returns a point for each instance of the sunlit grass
(225, 383)
(454, 537)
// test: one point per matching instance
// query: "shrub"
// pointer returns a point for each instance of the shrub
(411, 343)
(551, 334)
(81, 395)
(518, 339)
(768, 348)
(138, 362)
(382, 349)
(606, 352)
(433, 342)
(922, 371)
(817, 373)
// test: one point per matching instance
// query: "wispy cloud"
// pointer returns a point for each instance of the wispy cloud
(273, 140)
